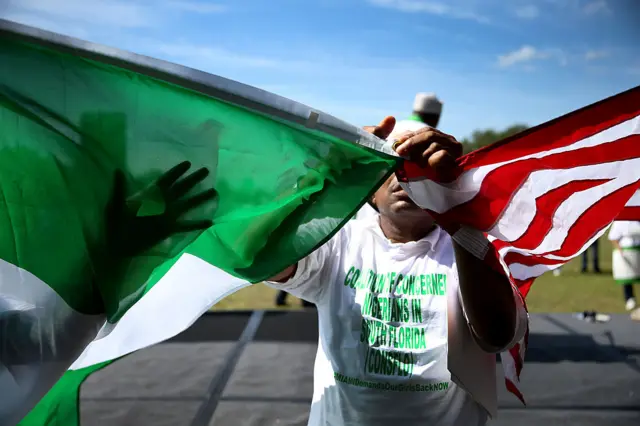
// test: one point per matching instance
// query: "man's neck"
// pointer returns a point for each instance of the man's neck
(404, 233)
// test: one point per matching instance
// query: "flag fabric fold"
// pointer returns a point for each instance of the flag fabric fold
(287, 177)
(543, 196)
(631, 211)
(72, 113)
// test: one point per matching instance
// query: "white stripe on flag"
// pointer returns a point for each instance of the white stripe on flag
(47, 332)
(442, 197)
(171, 306)
(521, 210)
(524, 272)
(635, 200)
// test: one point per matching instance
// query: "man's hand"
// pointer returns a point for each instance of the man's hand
(430, 147)
(384, 129)
(129, 234)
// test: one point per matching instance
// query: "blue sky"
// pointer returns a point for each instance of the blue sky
(492, 62)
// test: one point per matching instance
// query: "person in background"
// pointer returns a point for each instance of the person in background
(625, 238)
(427, 109)
(585, 258)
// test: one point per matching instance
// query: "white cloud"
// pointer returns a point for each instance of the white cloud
(47, 24)
(529, 11)
(524, 54)
(193, 53)
(120, 13)
(557, 54)
(215, 58)
(126, 14)
(196, 7)
(592, 55)
(595, 7)
(462, 11)
(527, 54)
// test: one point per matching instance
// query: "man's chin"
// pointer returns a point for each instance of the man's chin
(407, 207)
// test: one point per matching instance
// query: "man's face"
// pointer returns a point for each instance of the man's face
(393, 202)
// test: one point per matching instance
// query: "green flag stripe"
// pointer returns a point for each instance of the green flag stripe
(287, 178)
(236, 93)
(179, 298)
(61, 405)
(276, 180)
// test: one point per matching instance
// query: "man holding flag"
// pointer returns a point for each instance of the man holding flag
(427, 109)
(382, 286)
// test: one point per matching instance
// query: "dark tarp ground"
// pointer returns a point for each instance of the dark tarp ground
(256, 369)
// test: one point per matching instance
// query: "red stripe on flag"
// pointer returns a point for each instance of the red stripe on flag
(524, 286)
(546, 207)
(594, 219)
(629, 213)
(499, 185)
(529, 260)
(561, 131)
(511, 387)
(515, 353)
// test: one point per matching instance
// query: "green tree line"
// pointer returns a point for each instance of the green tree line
(484, 137)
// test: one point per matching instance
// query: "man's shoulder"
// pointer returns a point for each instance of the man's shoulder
(353, 229)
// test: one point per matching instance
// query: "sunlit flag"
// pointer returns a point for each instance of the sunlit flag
(287, 178)
(71, 113)
(542, 196)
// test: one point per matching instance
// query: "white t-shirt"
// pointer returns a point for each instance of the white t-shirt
(382, 309)
(626, 233)
(366, 212)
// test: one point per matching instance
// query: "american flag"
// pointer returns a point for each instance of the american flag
(542, 196)
(631, 210)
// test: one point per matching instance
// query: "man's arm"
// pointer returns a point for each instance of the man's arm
(307, 278)
(285, 275)
(615, 244)
(492, 305)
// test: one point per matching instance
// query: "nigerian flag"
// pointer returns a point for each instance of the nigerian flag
(82, 125)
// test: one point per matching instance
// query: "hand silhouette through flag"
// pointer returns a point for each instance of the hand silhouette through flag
(130, 234)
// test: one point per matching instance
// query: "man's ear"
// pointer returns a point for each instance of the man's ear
(372, 203)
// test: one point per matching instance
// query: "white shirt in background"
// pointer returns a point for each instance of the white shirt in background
(626, 233)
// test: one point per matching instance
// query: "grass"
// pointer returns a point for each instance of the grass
(569, 292)
(573, 291)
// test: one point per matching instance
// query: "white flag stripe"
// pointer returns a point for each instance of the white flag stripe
(570, 211)
(442, 197)
(509, 367)
(521, 210)
(635, 200)
(525, 272)
(171, 306)
(48, 331)
(561, 259)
